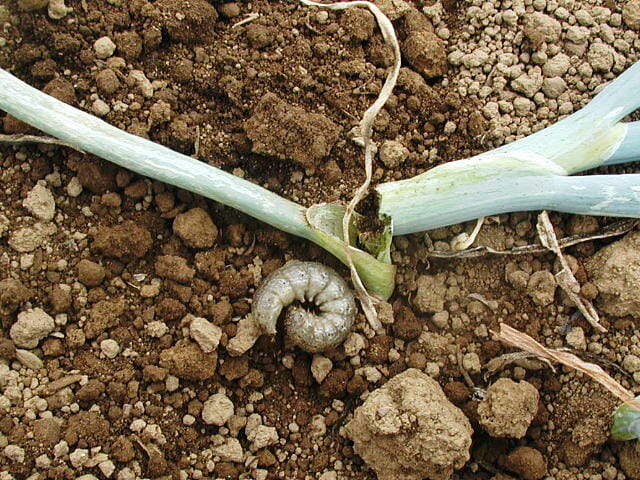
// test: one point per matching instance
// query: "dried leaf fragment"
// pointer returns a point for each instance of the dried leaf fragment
(613, 230)
(520, 340)
(565, 277)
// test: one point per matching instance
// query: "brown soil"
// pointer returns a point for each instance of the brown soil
(129, 259)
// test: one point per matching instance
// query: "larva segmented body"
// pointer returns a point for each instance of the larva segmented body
(306, 282)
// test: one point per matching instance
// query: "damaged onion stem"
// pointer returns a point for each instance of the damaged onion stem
(529, 174)
(629, 146)
(144, 157)
(366, 130)
(533, 173)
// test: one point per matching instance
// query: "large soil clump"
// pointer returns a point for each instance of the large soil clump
(408, 430)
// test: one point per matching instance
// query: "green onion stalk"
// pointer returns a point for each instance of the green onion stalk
(529, 174)
(533, 173)
(626, 422)
(149, 159)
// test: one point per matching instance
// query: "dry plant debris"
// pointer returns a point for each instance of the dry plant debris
(519, 340)
(565, 278)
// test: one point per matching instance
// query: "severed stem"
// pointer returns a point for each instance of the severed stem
(90, 134)
(366, 129)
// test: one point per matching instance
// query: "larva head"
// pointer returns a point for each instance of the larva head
(266, 309)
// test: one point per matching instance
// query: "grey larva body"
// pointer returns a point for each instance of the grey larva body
(306, 282)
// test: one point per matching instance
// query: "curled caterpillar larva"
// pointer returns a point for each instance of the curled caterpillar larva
(306, 282)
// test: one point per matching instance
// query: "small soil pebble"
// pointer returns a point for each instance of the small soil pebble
(229, 10)
(287, 132)
(187, 360)
(187, 22)
(30, 5)
(334, 384)
(320, 367)
(107, 82)
(31, 327)
(125, 241)
(136, 190)
(90, 273)
(426, 53)
(393, 153)
(174, 268)
(104, 47)
(631, 14)
(508, 408)
(40, 203)
(47, 431)
(217, 410)
(91, 391)
(29, 360)
(96, 177)
(615, 271)
(406, 325)
(195, 228)
(110, 348)
(431, 293)
(129, 45)
(234, 368)
(629, 457)
(541, 287)
(359, 24)
(540, 28)
(7, 349)
(527, 462)
(170, 309)
(260, 36)
(378, 351)
(103, 315)
(457, 392)
(205, 333)
(60, 298)
(154, 374)
(88, 427)
(27, 239)
(12, 294)
(61, 89)
(122, 450)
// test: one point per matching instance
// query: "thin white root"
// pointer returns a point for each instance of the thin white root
(464, 240)
(249, 18)
(19, 138)
(526, 360)
(613, 230)
(366, 127)
(565, 277)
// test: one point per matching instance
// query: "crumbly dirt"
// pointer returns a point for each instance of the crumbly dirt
(408, 430)
(119, 387)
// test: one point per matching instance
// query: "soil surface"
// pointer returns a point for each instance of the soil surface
(119, 294)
